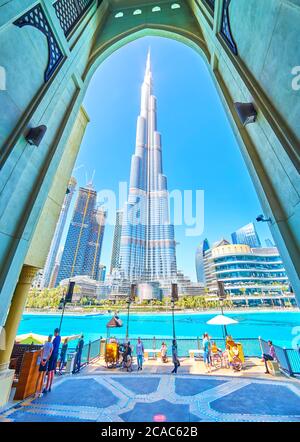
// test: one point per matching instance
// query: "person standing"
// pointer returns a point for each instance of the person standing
(271, 356)
(175, 356)
(163, 352)
(45, 356)
(53, 360)
(207, 350)
(63, 354)
(128, 356)
(79, 348)
(140, 353)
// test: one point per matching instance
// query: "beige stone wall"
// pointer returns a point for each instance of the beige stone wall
(44, 232)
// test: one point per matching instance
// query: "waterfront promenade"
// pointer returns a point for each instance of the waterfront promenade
(113, 395)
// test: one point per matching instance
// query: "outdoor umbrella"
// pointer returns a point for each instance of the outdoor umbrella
(114, 322)
(222, 320)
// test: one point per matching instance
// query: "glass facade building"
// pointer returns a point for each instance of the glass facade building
(246, 235)
(115, 256)
(147, 251)
(245, 270)
(82, 250)
(199, 260)
(52, 255)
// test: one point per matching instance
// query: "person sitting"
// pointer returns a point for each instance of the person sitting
(225, 357)
(215, 350)
(271, 356)
(163, 352)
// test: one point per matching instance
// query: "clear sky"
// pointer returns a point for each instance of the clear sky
(199, 148)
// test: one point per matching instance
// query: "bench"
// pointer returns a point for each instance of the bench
(273, 368)
(151, 351)
(195, 352)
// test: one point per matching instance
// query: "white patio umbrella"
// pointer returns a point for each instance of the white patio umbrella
(223, 321)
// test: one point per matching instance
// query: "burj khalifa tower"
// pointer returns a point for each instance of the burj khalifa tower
(147, 250)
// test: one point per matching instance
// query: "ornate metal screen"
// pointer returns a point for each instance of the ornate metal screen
(69, 12)
(36, 17)
(211, 3)
(226, 29)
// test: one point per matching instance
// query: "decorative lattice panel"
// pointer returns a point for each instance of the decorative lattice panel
(225, 28)
(36, 17)
(211, 3)
(69, 12)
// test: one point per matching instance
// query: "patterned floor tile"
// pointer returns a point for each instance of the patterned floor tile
(260, 399)
(139, 385)
(79, 392)
(159, 411)
(191, 387)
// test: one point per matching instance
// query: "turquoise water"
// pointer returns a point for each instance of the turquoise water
(277, 326)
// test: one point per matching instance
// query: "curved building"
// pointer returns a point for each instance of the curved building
(245, 270)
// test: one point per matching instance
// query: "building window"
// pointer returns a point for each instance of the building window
(156, 9)
(137, 12)
(175, 6)
(119, 15)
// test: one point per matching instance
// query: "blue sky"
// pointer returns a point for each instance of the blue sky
(199, 148)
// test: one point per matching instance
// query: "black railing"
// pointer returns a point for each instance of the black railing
(251, 346)
(90, 352)
(69, 12)
(287, 358)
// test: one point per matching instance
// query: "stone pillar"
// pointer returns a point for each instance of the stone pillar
(10, 329)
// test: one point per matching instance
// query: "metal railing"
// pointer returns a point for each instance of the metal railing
(69, 12)
(90, 351)
(287, 358)
(251, 346)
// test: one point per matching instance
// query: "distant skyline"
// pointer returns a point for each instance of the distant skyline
(200, 150)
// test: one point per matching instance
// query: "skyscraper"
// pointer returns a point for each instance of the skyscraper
(199, 260)
(246, 235)
(81, 255)
(102, 272)
(147, 241)
(115, 256)
(51, 258)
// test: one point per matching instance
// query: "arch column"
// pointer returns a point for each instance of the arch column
(11, 327)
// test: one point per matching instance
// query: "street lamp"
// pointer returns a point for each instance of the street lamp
(174, 297)
(128, 302)
(67, 297)
(222, 297)
(173, 317)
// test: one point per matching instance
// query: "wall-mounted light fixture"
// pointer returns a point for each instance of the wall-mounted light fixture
(35, 135)
(246, 112)
(262, 219)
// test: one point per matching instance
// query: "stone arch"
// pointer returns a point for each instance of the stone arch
(99, 54)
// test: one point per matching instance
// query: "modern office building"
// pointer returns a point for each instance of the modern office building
(53, 251)
(246, 235)
(199, 260)
(55, 271)
(85, 287)
(115, 256)
(147, 241)
(82, 250)
(102, 272)
(245, 271)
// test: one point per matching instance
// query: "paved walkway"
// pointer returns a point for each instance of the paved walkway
(105, 396)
